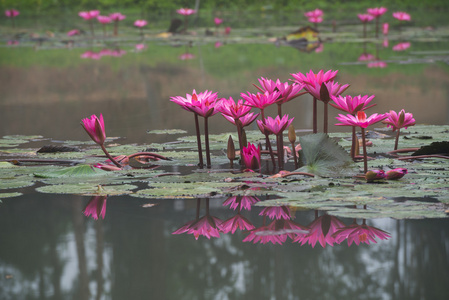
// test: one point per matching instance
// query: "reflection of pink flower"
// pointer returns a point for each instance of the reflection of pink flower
(94, 127)
(365, 18)
(140, 47)
(236, 222)
(218, 21)
(218, 44)
(73, 32)
(276, 212)
(96, 207)
(227, 30)
(240, 202)
(377, 64)
(360, 234)
(365, 57)
(11, 13)
(276, 232)
(186, 56)
(401, 46)
(376, 11)
(315, 20)
(140, 23)
(186, 11)
(251, 157)
(399, 120)
(385, 43)
(207, 226)
(88, 15)
(12, 42)
(402, 16)
(321, 230)
(385, 27)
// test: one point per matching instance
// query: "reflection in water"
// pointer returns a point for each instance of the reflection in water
(96, 207)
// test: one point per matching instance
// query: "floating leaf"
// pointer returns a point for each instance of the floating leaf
(78, 171)
(167, 131)
(87, 189)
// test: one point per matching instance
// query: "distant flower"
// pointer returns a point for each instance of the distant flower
(140, 23)
(94, 127)
(218, 21)
(385, 43)
(140, 47)
(227, 30)
(377, 64)
(365, 18)
(186, 56)
(357, 234)
(315, 20)
(396, 174)
(376, 11)
(385, 27)
(12, 43)
(399, 120)
(402, 16)
(352, 104)
(117, 17)
(11, 13)
(251, 157)
(401, 46)
(186, 11)
(236, 222)
(218, 44)
(373, 175)
(73, 32)
(96, 207)
(88, 15)
(104, 19)
(314, 13)
(321, 231)
(365, 57)
(240, 202)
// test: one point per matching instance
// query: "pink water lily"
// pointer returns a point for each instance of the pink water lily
(333, 88)
(402, 16)
(314, 79)
(236, 222)
(251, 157)
(96, 207)
(397, 121)
(208, 226)
(88, 15)
(260, 100)
(12, 13)
(104, 19)
(218, 21)
(231, 108)
(278, 124)
(376, 11)
(365, 18)
(314, 13)
(396, 174)
(140, 23)
(385, 28)
(186, 11)
(94, 127)
(186, 56)
(401, 46)
(351, 104)
(357, 234)
(116, 18)
(73, 32)
(245, 120)
(377, 64)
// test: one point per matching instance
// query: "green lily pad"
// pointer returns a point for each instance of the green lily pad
(87, 189)
(9, 195)
(77, 171)
(167, 131)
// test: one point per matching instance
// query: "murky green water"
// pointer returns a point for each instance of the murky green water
(50, 250)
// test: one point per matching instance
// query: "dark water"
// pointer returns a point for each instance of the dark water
(50, 250)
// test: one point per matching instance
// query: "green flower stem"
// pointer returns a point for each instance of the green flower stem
(109, 156)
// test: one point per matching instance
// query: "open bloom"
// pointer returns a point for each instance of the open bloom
(365, 18)
(186, 11)
(104, 19)
(311, 78)
(218, 21)
(360, 119)
(395, 174)
(117, 17)
(259, 100)
(251, 157)
(333, 88)
(314, 13)
(11, 13)
(96, 207)
(236, 222)
(278, 124)
(140, 23)
(88, 15)
(402, 16)
(202, 104)
(95, 128)
(229, 107)
(376, 11)
(357, 234)
(351, 104)
(245, 120)
(287, 91)
(399, 120)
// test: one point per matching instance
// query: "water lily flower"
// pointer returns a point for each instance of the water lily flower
(73, 32)
(12, 43)
(401, 46)
(259, 100)
(236, 222)
(314, 13)
(186, 56)
(11, 13)
(377, 64)
(140, 47)
(140, 23)
(116, 17)
(357, 234)
(96, 207)
(241, 202)
(278, 124)
(351, 104)
(360, 120)
(186, 11)
(376, 12)
(396, 174)
(263, 235)
(321, 231)
(397, 121)
(315, 20)
(365, 18)
(218, 21)
(402, 16)
(374, 175)
(251, 157)
(104, 20)
(276, 212)
(88, 16)
(208, 226)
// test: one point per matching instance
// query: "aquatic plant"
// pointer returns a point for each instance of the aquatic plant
(365, 18)
(186, 12)
(12, 14)
(397, 121)
(96, 207)
(251, 157)
(377, 12)
(116, 18)
(89, 16)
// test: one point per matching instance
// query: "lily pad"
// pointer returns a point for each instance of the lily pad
(87, 189)
(78, 171)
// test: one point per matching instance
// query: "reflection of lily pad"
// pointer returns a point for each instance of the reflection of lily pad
(87, 189)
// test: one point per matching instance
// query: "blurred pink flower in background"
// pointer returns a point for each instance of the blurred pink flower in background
(12, 43)
(140, 47)
(117, 17)
(186, 56)
(401, 46)
(140, 23)
(377, 64)
(376, 11)
(73, 32)
(104, 19)
(88, 15)
(365, 57)
(218, 44)
(314, 13)
(12, 13)
(385, 28)
(365, 18)
(218, 21)
(186, 11)
(402, 16)
(227, 30)
(385, 43)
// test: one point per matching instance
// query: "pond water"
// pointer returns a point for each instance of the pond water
(51, 250)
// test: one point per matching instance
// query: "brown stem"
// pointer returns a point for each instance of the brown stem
(279, 150)
(109, 156)
(424, 156)
(270, 149)
(279, 110)
(325, 117)
(315, 125)
(206, 140)
(294, 155)
(298, 173)
(116, 28)
(365, 156)
(354, 140)
(198, 141)
(396, 142)
(149, 154)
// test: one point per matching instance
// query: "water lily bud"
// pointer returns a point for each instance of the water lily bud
(373, 175)
(324, 93)
(396, 174)
(291, 134)
(231, 148)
